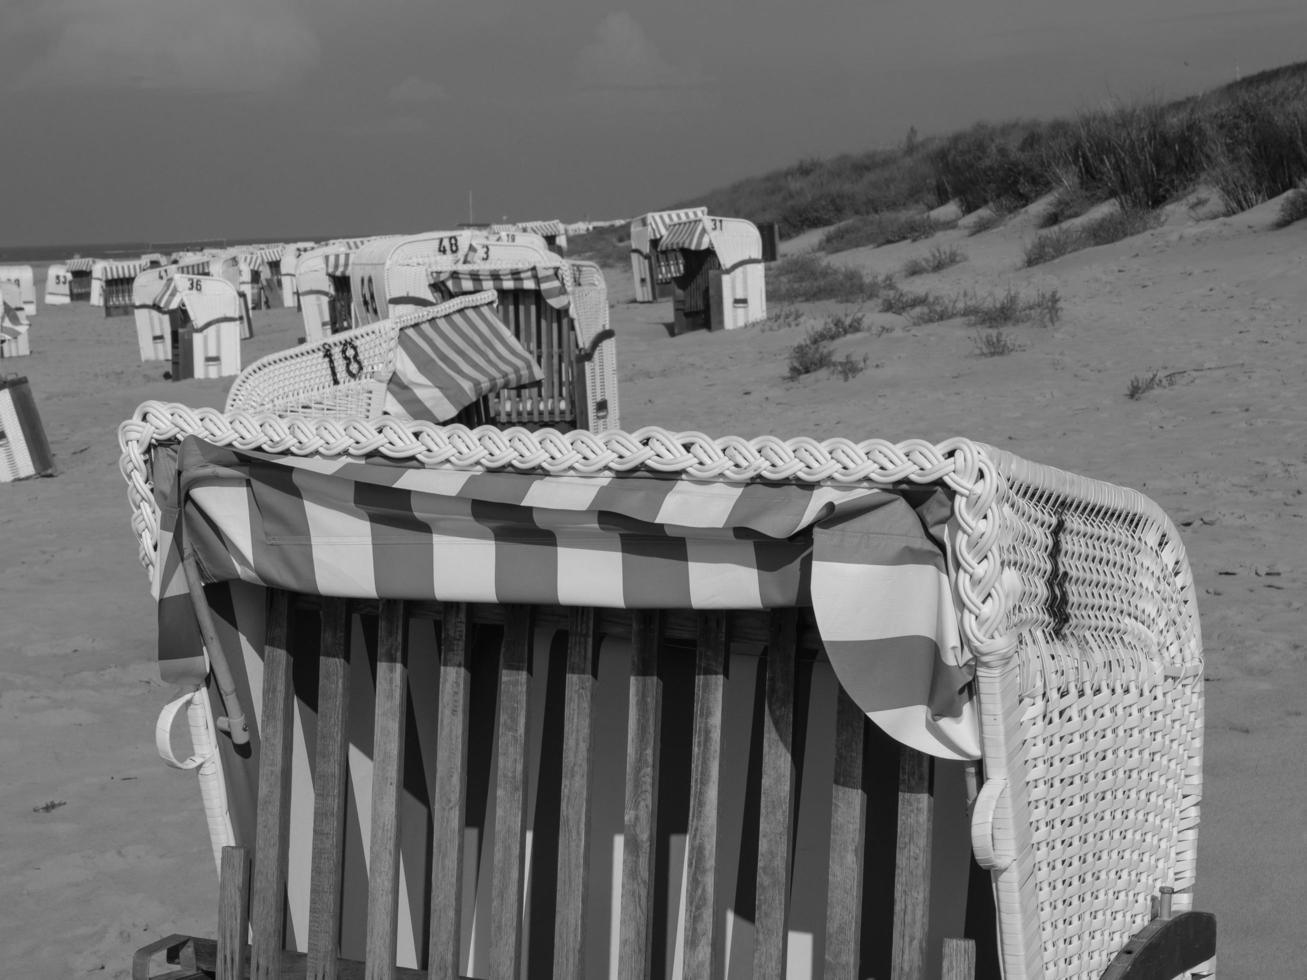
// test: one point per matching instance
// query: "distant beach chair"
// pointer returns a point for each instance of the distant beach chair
(14, 325)
(79, 279)
(21, 277)
(205, 322)
(57, 279)
(24, 449)
(487, 703)
(111, 286)
(647, 232)
(716, 267)
(552, 232)
(289, 258)
(322, 284)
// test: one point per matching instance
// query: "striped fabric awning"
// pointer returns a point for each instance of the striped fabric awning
(691, 235)
(117, 270)
(80, 264)
(550, 282)
(338, 263)
(660, 221)
(444, 364)
(169, 297)
(869, 562)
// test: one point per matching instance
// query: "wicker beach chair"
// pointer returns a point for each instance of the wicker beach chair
(658, 704)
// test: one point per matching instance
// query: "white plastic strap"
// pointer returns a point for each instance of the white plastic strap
(992, 852)
(163, 734)
(204, 758)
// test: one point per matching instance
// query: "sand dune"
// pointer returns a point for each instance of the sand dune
(105, 849)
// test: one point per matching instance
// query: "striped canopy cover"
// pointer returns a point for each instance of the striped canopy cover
(691, 235)
(444, 364)
(80, 264)
(117, 270)
(870, 562)
(545, 229)
(550, 282)
(660, 221)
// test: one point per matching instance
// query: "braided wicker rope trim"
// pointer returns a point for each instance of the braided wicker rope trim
(956, 463)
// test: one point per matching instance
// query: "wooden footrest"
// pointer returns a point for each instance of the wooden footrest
(197, 959)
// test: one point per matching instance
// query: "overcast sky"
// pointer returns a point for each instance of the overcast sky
(169, 119)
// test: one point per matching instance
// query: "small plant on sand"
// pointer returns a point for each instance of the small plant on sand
(995, 311)
(806, 278)
(780, 319)
(813, 353)
(1292, 208)
(902, 300)
(1142, 384)
(994, 343)
(936, 260)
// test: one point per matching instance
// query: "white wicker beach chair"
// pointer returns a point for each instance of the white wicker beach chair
(480, 581)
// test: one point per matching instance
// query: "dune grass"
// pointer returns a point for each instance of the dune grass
(1248, 139)
(814, 353)
(937, 259)
(1050, 245)
(1292, 209)
(990, 311)
(807, 278)
(878, 229)
(609, 247)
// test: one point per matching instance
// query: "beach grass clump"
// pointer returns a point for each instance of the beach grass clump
(878, 229)
(1003, 165)
(1142, 384)
(994, 343)
(1292, 209)
(937, 259)
(1054, 244)
(1258, 147)
(815, 352)
(808, 278)
(987, 312)
(985, 222)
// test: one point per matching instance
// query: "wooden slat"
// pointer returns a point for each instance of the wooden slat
(574, 799)
(510, 798)
(329, 790)
(530, 329)
(642, 737)
(268, 899)
(233, 918)
(387, 783)
(549, 361)
(959, 961)
(775, 832)
(701, 945)
(449, 808)
(912, 866)
(847, 839)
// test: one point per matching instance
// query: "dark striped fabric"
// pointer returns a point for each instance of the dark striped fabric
(13, 316)
(444, 364)
(550, 282)
(869, 562)
(660, 221)
(690, 235)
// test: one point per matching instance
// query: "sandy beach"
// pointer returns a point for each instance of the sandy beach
(104, 848)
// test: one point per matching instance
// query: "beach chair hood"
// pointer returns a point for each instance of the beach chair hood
(870, 561)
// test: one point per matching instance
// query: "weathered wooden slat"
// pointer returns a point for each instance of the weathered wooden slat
(959, 961)
(387, 782)
(847, 839)
(510, 798)
(291, 966)
(574, 799)
(643, 725)
(329, 790)
(272, 825)
(775, 833)
(701, 945)
(912, 865)
(233, 917)
(449, 808)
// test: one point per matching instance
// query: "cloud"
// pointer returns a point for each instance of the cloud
(621, 56)
(235, 46)
(416, 90)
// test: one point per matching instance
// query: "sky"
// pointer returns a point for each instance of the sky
(165, 120)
